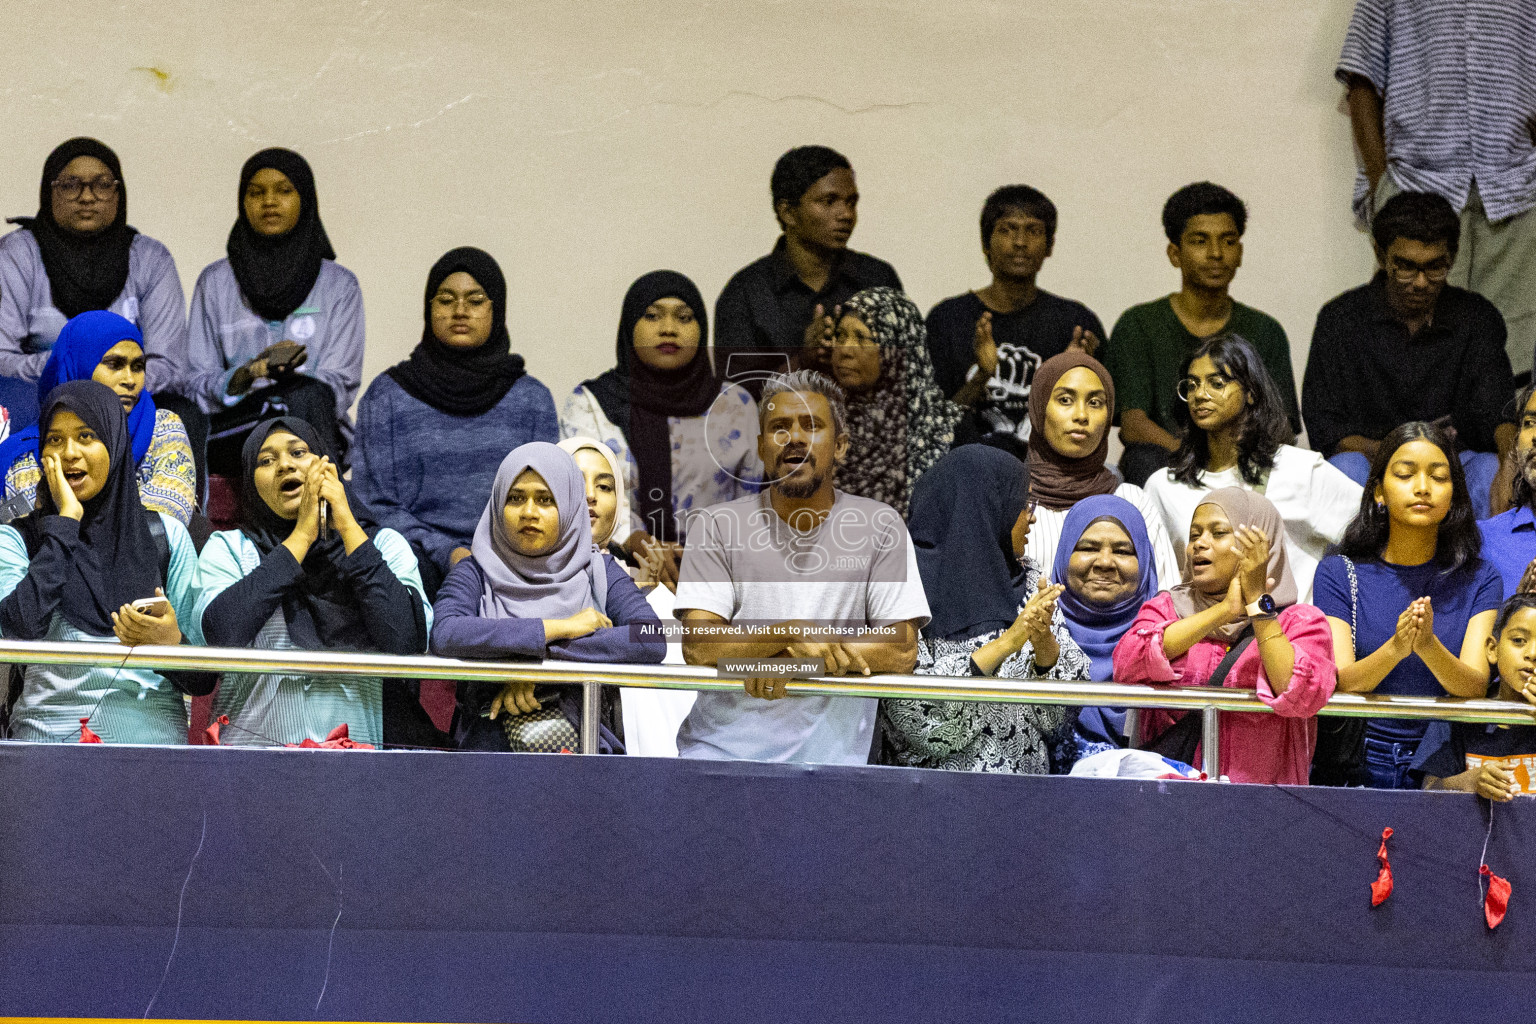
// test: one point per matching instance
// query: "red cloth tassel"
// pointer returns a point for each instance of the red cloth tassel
(212, 732)
(86, 736)
(1382, 887)
(339, 738)
(1496, 903)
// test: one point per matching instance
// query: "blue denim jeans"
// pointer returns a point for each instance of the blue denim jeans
(1387, 763)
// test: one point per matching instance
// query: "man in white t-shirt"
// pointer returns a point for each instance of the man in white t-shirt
(801, 570)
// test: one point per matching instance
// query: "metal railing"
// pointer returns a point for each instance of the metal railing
(1207, 700)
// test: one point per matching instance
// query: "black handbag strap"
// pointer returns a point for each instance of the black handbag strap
(1234, 652)
(1180, 739)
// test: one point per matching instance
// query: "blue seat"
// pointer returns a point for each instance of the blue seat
(20, 399)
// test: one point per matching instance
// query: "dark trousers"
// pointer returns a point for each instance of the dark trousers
(1388, 764)
(299, 396)
(1140, 461)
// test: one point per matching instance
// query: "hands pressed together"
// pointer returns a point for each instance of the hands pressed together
(323, 483)
(1252, 580)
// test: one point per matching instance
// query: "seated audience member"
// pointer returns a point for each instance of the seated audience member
(802, 570)
(1509, 538)
(689, 439)
(79, 254)
(277, 325)
(290, 579)
(994, 615)
(1239, 581)
(651, 716)
(987, 344)
(1235, 434)
(1494, 761)
(1070, 408)
(1204, 224)
(73, 569)
(1106, 565)
(899, 422)
(1410, 603)
(431, 430)
(1408, 347)
(102, 346)
(1441, 98)
(535, 586)
(779, 309)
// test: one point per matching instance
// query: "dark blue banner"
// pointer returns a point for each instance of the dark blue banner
(207, 883)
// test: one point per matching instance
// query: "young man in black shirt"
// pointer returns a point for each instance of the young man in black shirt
(1408, 346)
(779, 309)
(987, 344)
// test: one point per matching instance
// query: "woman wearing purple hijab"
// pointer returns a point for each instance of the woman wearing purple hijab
(535, 586)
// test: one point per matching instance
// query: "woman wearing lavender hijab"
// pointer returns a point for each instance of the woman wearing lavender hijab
(534, 586)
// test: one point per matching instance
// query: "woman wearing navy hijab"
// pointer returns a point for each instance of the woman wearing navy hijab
(100, 345)
(1107, 562)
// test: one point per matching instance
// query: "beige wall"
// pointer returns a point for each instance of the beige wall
(584, 143)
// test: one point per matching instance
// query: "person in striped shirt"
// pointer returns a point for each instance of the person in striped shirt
(1442, 98)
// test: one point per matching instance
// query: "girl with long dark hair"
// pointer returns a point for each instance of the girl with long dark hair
(1410, 602)
(1235, 433)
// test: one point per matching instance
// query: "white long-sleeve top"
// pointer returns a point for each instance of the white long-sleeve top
(1315, 499)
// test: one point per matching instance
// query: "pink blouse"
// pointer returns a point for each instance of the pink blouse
(1274, 749)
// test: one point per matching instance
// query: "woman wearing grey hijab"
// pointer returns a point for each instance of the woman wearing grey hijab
(535, 586)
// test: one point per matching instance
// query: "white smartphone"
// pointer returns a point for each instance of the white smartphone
(156, 606)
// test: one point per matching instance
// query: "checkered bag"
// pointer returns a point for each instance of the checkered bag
(546, 731)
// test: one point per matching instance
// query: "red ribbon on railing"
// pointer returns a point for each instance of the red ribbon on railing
(1382, 887)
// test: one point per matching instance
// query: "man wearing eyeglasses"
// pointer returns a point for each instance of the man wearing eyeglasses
(1407, 346)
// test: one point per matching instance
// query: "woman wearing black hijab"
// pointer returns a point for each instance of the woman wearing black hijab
(432, 430)
(286, 580)
(72, 568)
(77, 254)
(689, 439)
(994, 614)
(277, 325)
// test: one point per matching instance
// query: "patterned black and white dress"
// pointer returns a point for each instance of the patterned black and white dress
(1025, 739)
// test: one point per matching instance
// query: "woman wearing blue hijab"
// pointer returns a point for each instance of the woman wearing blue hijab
(1107, 563)
(102, 346)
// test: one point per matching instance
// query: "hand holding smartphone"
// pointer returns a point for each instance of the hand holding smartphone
(156, 606)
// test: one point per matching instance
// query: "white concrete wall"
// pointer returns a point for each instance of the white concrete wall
(584, 143)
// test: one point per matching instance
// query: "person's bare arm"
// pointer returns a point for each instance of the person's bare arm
(1500, 497)
(1182, 634)
(1464, 676)
(1365, 675)
(890, 650)
(1136, 427)
(1355, 443)
(1365, 116)
(708, 638)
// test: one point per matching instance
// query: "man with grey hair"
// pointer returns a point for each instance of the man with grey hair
(801, 571)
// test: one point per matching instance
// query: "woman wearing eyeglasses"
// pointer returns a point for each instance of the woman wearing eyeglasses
(1235, 434)
(79, 254)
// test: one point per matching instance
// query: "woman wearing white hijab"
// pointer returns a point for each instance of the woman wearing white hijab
(535, 586)
(651, 717)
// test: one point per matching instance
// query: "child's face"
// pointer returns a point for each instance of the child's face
(1514, 655)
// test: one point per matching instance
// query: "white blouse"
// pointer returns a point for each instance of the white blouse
(1045, 536)
(1316, 500)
